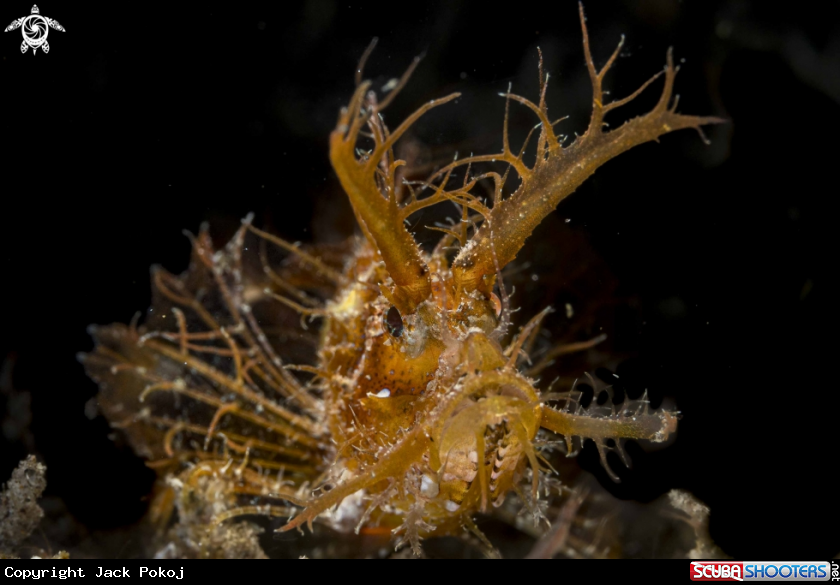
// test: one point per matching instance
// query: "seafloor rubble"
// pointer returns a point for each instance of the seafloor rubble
(589, 523)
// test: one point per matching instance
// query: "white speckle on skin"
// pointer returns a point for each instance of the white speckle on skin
(428, 486)
(347, 514)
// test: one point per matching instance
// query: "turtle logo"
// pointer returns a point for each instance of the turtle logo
(35, 29)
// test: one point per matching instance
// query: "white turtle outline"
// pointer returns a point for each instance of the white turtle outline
(28, 22)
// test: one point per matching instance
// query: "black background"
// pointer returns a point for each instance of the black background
(143, 121)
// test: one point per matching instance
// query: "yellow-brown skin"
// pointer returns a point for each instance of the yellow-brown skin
(418, 368)
(416, 406)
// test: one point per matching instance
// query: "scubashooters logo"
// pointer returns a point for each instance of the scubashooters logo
(760, 571)
(35, 29)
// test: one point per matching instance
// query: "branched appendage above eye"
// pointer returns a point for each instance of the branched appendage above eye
(369, 181)
(558, 171)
